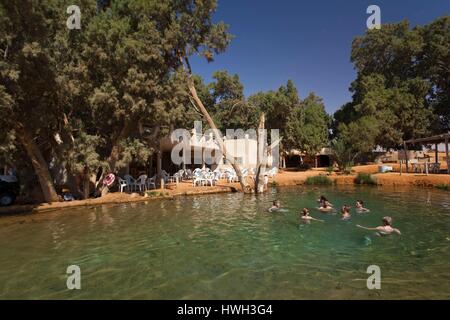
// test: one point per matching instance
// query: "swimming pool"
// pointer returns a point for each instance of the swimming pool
(226, 246)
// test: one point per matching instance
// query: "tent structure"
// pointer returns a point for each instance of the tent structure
(436, 140)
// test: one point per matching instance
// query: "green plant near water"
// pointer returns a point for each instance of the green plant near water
(156, 194)
(365, 178)
(322, 180)
(443, 186)
(330, 170)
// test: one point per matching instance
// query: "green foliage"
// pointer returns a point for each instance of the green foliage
(318, 180)
(103, 95)
(155, 194)
(307, 125)
(302, 124)
(443, 186)
(230, 108)
(342, 152)
(330, 170)
(365, 178)
(402, 82)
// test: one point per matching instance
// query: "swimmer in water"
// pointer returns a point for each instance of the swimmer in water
(306, 218)
(325, 206)
(360, 207)
(346, 212)
(276, 205)
(385, 229)
(324, 202)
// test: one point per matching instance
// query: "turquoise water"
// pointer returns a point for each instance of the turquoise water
(228, 247)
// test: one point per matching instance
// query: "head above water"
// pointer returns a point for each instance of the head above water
(276, 203)
(305, 211)
(387, 221)
(322, 198)
(345, 208)
(360, 202)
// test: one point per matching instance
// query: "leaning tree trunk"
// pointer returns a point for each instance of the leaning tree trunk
(65, 140)
(39, 164)
(261, 157)
(244, 185)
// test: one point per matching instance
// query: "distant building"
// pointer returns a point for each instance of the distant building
(295, 158)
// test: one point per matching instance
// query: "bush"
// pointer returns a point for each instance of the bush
(365, 178)
(322, 180)
(347, 170)
(330, 170)
(156, 194)
(443, 186)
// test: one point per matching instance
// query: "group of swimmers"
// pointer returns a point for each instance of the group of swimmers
(327, 206)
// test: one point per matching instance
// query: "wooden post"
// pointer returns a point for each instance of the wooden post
(446, 155)
(150, 169)
(426, 166)
(158, 163)
(406, 156)
(401, 166)
(436, 157)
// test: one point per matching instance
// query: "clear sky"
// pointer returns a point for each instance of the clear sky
(306, 41)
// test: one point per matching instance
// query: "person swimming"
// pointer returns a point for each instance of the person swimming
(276, 205)
(325, 206)
(346, 212)
(324, 202)
(385, 229)
(306, 218)
(360, 207)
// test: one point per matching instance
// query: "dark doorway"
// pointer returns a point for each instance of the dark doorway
(292, 161)
(323, 161)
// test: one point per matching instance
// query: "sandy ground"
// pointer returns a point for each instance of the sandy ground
(385, 179)
(284, 178)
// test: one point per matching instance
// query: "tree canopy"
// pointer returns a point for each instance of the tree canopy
(402, 84)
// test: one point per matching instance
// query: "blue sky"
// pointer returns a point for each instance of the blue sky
(306, 41)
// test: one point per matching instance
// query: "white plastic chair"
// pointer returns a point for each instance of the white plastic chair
(165, 176)
(122, 184)
(151, 182)
(197, 178)
(141, 182)
(231, 176)
(131, 182)
(208, 177)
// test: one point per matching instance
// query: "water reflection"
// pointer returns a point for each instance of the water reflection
(229, 246)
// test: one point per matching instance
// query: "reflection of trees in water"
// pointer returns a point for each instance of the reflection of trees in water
(218, 215)
(58, 232)
(100, 215)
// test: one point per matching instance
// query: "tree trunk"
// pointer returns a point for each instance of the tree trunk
(39, 164)
(86, 183)
(65, 141)
(261, 155)
(114, 156)
(244, 185)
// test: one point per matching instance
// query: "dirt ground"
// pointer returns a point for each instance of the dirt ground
(283, 178)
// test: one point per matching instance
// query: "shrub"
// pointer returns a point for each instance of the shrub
(347, 170)
(365, 178)
(330, 170)
(157, 194)
(152, 193)
(443, 186)
(322, 180)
